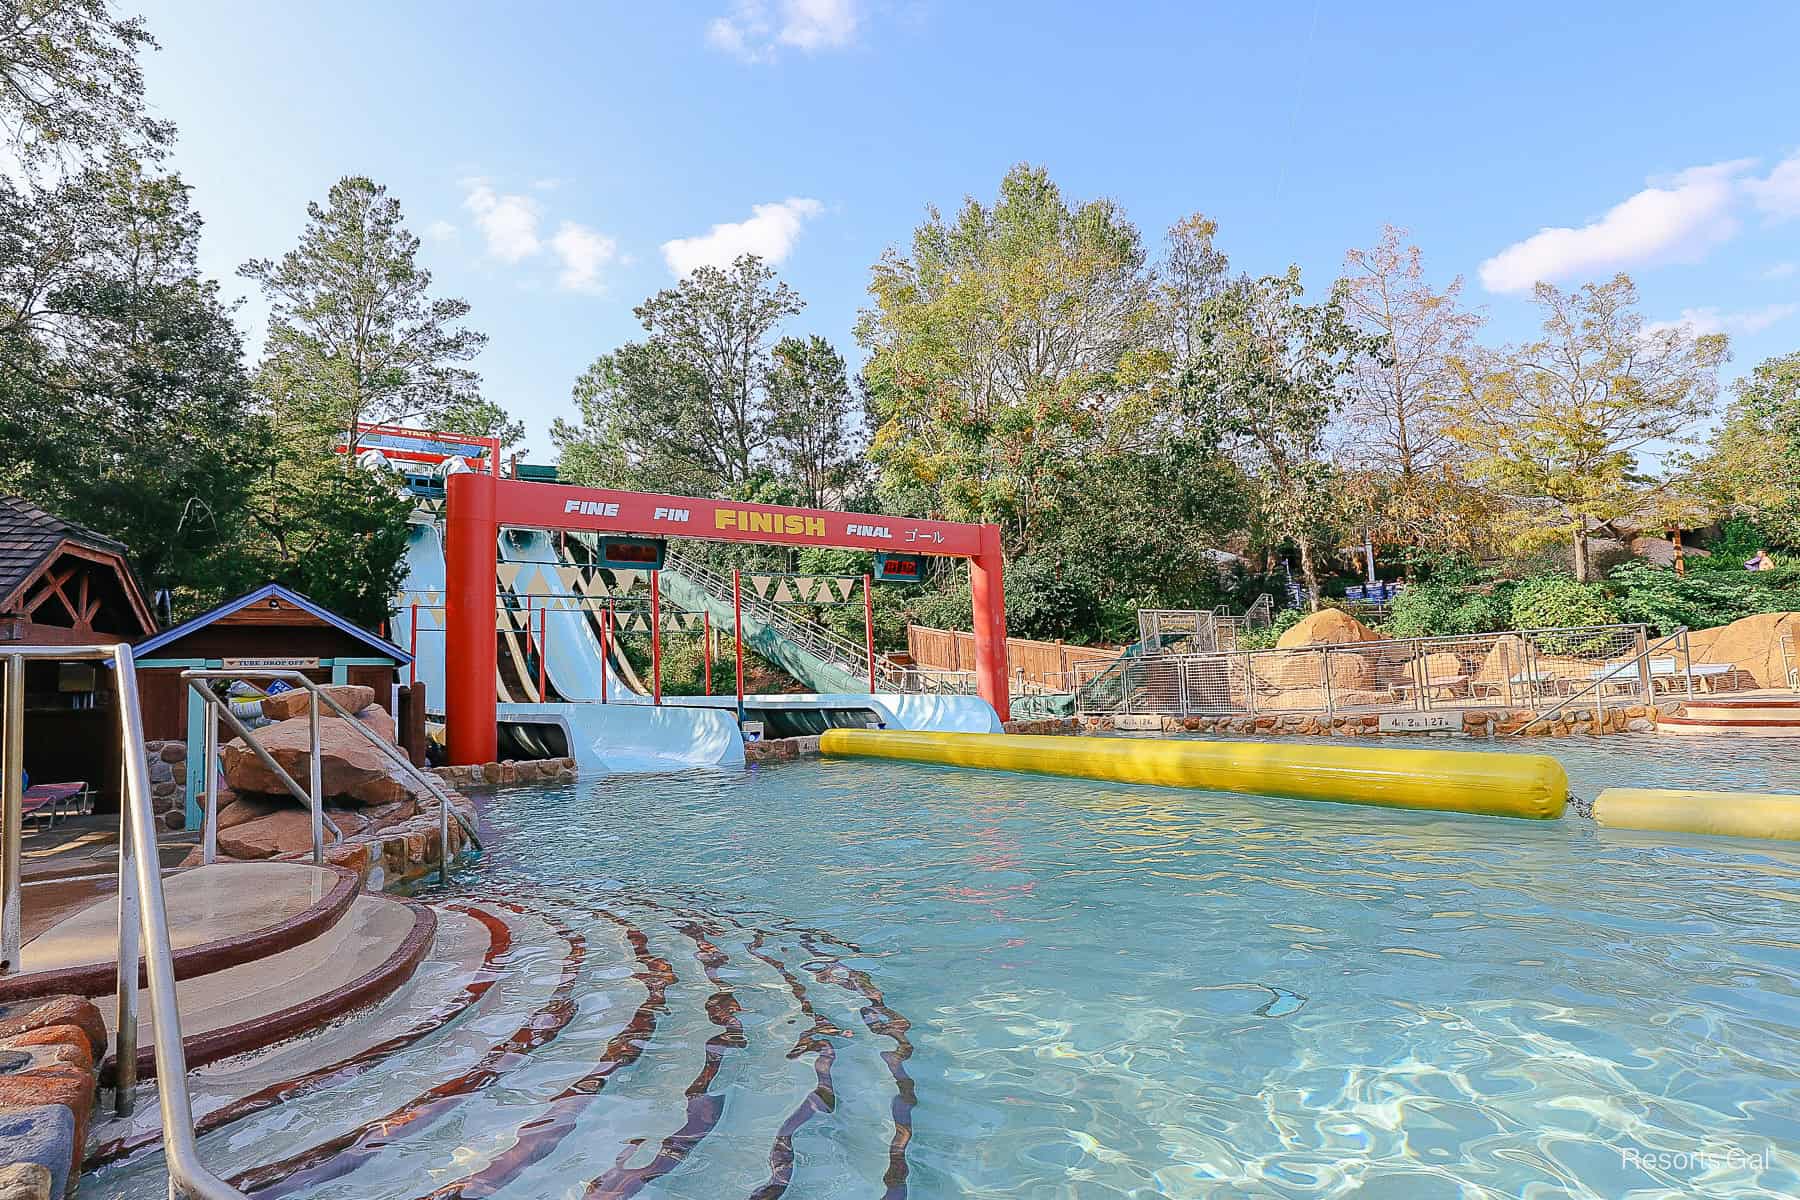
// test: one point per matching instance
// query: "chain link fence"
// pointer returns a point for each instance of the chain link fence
(1539, 669)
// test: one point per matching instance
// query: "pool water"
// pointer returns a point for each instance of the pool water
(1089, 991)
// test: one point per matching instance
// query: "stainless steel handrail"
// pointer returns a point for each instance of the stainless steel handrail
(1638, 662)
(312, 796)
(388, 750)
(838, 651)
(140, 897)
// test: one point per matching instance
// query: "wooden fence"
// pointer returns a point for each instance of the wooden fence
(1048, 665)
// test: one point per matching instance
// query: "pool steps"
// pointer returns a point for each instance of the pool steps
(551, 1046)
(1773, 715)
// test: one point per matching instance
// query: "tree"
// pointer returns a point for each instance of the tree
(1397, 415)
(354, 333)
(1269, 372)
(124, 403)
(812, 434)
(481, 418)
(688, 408)
(1015, 342)
(1752, 467)
(336, 536)
(1564, 418)
(71, 90)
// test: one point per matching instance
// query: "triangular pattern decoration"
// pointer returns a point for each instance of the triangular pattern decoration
(508, 574)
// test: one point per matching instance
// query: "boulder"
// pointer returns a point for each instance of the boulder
(295, 703)
(378, 721)
(1752, 645)
(26, 1181)
(1327, 627)
(1443, 665)
(240, 809)
(285, 831)
(350, 768)
(1308, 670)
(20, 1017)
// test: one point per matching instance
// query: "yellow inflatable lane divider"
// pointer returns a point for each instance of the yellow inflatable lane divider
(1725, 814)
(1492, 784)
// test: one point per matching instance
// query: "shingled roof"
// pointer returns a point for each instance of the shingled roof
(29, 535)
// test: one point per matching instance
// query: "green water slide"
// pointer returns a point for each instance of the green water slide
(819, 659)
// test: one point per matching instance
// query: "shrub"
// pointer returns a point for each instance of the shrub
(1263, 639)
(1716, 596)
(1557, 601)
(1432, 609)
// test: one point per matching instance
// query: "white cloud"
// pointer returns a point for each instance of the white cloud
(769, 233)
(1778, 195)
(1711, 320)
(754, 30)
(583, 252)
(440, 231)
(509, 223)
(1780, 270)
(1679, 219)
(818, 24)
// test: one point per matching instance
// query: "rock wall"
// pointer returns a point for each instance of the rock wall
(775, 749)
(48, 1051)
(168, 783)
(499, 774)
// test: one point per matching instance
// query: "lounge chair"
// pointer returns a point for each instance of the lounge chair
(51, 802)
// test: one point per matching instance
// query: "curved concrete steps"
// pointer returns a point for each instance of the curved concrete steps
(621, 1047)
(357, 961)
(1772, 714)
(220, 916)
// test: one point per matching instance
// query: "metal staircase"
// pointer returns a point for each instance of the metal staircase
(834, 651)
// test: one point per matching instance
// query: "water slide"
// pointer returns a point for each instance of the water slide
(628, 734)
(423, 585)
(572, 659)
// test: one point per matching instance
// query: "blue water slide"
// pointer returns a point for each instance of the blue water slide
(423, 585)
(573, 659)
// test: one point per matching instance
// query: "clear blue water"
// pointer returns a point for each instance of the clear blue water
(1130, 992)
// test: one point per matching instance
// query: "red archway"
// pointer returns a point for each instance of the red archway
(477, 504)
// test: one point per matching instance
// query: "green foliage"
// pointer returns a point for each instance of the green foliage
(1565, 418)
(689, 409)
(332, 532)
(71, 89)
(1704, 598)
(1557, 601)
(1263, 639)
(1267, 377)
(124, 404)
(354, 332)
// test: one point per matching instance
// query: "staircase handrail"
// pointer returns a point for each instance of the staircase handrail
(388, 750)
(1640, 659)
(143, 921)
(820, 641)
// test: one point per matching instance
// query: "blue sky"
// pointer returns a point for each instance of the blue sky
(558, 158)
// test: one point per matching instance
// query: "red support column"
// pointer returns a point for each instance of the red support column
(706, 650)
(737, 630)
(656, 636)
(606, 620)
(869, 628)
(989, 595)
(471, 634)
(412, 668)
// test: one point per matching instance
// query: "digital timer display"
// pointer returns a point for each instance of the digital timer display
(899, 568)
(631, 553)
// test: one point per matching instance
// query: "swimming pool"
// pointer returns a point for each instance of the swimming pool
(1117, 991)
(860, 978)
